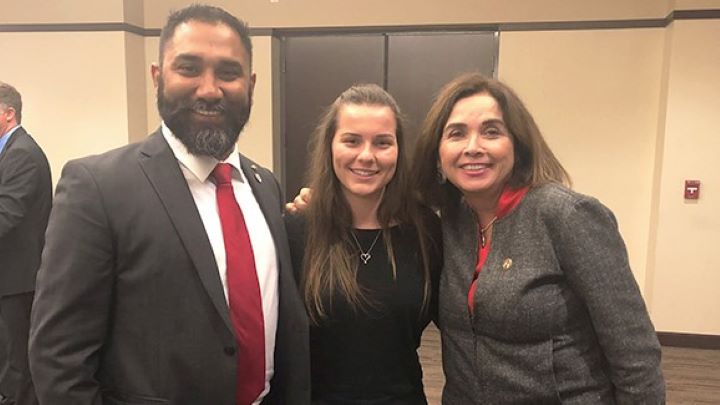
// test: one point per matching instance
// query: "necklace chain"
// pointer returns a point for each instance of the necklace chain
(365, 256)
(485, 229)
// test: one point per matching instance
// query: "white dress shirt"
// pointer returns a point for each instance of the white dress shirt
(197, 170)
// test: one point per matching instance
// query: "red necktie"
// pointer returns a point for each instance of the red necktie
(243, 290)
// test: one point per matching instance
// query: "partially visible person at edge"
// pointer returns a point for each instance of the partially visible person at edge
(166, 277)
(537, 303)
(367, 255)
(25, 201)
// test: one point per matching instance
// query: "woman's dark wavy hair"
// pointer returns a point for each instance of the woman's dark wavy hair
(535, 163)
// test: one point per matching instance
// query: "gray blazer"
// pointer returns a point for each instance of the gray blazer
(564, 323)
(129, 307)
(25, 200)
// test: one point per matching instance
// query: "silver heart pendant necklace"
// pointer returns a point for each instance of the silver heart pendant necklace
(365, 255)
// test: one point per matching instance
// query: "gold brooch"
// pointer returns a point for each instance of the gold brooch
(507, 263)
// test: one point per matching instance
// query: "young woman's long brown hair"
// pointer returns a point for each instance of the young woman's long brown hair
(331, 260)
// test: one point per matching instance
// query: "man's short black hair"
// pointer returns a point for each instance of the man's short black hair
(206, 14)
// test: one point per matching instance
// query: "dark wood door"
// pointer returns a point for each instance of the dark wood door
(317, 70)
(420, 64)
(411, 66)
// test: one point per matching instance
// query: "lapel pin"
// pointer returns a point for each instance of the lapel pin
(507, 263)
(257, 175)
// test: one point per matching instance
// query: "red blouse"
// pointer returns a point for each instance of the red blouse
(509, 199)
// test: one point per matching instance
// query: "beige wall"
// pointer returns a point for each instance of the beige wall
(595, 96)
(256, 140)
(694, 4)
(135, 68)
(686, 283)
(133, 12)
(74, 90)
(318, 13)
(151, 56)
(323, 13)
(61, 11)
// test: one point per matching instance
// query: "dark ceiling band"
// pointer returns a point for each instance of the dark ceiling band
(512, 26)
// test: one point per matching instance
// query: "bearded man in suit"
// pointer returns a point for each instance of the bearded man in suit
(166, 276)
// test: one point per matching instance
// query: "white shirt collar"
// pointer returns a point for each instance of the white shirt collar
(199, 166)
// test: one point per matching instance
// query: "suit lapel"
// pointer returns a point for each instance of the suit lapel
(262, 189)
(162, 170)
(268, 196)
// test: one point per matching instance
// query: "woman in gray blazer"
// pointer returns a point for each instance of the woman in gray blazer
(537, 301)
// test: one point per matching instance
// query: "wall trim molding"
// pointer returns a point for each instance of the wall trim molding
(695, 14)
(102, 27)
(689, 340)
(509, 26)
(82, 27)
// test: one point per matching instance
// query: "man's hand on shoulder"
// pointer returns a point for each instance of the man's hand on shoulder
(300, 203)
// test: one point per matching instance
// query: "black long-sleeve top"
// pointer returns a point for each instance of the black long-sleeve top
(370, 357)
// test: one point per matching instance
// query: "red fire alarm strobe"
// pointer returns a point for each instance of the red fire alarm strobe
(692, 189)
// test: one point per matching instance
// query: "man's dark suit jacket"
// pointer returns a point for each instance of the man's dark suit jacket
(25, 200)
(129, 306)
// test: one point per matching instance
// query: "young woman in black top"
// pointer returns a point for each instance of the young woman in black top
(366, 255)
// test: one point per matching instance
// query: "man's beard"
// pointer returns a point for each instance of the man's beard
(204, 139)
